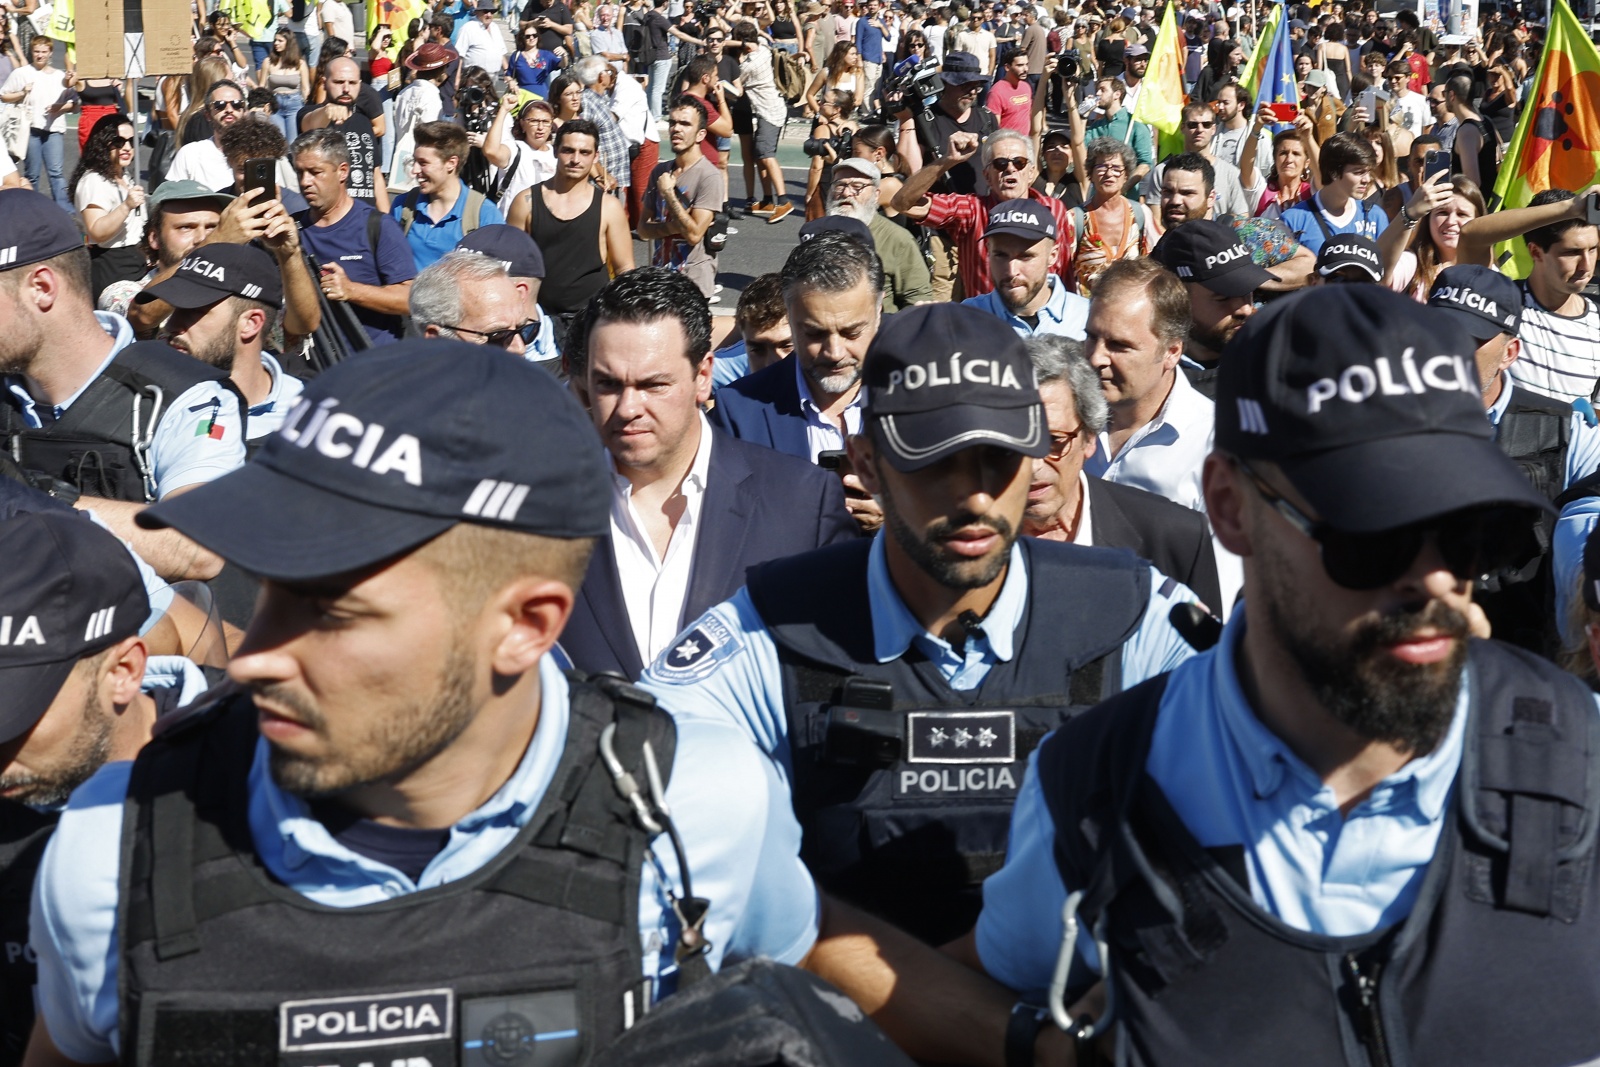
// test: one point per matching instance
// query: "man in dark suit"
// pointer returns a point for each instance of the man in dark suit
(1064, 504)
(691, 508)
(810, 403)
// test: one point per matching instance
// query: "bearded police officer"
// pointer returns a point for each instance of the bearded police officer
(1346, 830)
(1551, 444)
(404, 833)
(901, 681)
(93, 417)
(80, 688)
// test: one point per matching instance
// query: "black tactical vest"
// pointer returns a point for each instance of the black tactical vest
(534, 958)
(23, 835)
(904, 786)
(1498, 962)
(1204, 379)
(1520, 603)
(100, 446)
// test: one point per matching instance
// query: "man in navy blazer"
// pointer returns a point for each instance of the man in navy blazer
(691, 507)
(810, 402)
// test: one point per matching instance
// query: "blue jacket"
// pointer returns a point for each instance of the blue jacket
(764, 409)
(758, 506)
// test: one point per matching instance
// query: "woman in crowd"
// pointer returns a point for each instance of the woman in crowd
(1422, 241)
(566, 100)
(811, 50)
(528, 158)
(877, 144)
(100, 97)
(414, 41)
(109, 204)
(830, 123)
(1293, 176)
(530, 66)
(1056, 176)
(842, 72)
(1110, 226)
(10, 54)
(913, 50)
(1110, 48)
(1223, 60)
(1386, 175)
(783, 29)
(286, 74)
(1336, 56)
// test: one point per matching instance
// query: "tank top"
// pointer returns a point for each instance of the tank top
(286, 81)
(1488, 152)
(573, 269)
(101, 96)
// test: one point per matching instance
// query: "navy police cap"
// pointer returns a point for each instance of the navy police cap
(511, 246)
(32, 229)
(385, 452)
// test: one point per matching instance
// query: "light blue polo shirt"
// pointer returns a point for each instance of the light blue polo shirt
(725, 668)
(1064, 314)
(197, 436)
(431, 241)
(737, 826)
(1234, 782)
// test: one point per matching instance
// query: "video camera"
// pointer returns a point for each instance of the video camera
(1069, 64)
(477, 110)
(913, 89)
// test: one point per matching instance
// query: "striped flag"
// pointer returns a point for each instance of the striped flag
(1251, 77)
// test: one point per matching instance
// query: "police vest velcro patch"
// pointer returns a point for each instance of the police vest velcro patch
(961, 736)
(695, 654)
(962, 782)
(535, 1030)
(378, 1020)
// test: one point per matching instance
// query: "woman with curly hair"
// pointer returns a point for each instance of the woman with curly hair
(109, 203)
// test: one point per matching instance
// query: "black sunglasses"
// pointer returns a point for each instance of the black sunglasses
(502, 338)
(227, 105)
(1472, 543)
(122, 142)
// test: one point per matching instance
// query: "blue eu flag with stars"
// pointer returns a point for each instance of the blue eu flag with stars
(1277, 83)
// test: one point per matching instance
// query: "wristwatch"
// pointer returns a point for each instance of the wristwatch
(1022, 1031)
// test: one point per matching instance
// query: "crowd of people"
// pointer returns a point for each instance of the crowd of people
(1114, 595)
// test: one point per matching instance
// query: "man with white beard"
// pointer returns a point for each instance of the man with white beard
(854, 194)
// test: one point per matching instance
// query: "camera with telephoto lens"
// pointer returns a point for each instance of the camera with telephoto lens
(477, 110)
(913, 89)
(1069, 64)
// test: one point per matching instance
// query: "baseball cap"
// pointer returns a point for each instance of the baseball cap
(961, 68)
(1322, 79)
(68, 590)
(511, 246)
(38, 232)
(1209, 252)
(1134, 51)
(216, 271)
(185, 189)
(1484, 302)
(864, 167)
(940, 378)
(1349, 250)
(839, 224)
(431, 56)
(1297, 24)
(383, 453)
(1022, 218)
(1370, 404)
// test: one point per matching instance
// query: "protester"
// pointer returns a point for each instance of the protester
(110, 203)
(420, 101)
(855, 194)
(342, 113)
(1340, 205)
(41, 89)
(684, 197)
(203, 161)
(284, 71)
(440, 209)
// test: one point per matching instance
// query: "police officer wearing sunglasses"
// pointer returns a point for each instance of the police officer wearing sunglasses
(1349, 829)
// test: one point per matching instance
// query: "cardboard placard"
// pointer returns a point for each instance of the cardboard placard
(167, 46)
(110, 44)
(99, 33)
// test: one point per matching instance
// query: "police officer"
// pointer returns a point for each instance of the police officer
(80, 689)
(225, 299)
(525, 263)
(1221, 280)
(902, 681)
(1550, 443)
(404, 832)
(1347, 829)
(92, 416)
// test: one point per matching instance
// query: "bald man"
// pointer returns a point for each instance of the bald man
(341, 113)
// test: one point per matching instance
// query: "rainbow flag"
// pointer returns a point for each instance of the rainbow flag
(1250, 78)
(1557, 143)
(1161, 96)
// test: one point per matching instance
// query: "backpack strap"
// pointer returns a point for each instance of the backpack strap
(374, 230)
(408, 211)
(469, 219)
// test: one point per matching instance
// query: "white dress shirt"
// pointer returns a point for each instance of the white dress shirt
(632, 111)
(1165, 455)
(821, 434)
(1084, 534)
(654, 588)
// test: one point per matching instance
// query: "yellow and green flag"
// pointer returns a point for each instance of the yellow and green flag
(1557, 142)
(395, 14)
(1250, 78)
(63, 25)
(1161, 99)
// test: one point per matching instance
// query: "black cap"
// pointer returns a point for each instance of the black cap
(944, 377)
(1350, 250)
(31, 232)
(67, 590)
(1370, 404)
(1210, 253)
(961, 68)
(511, 246)
(1484, 302)
(1027, 219)
(839, 224)
(385, 452)
(217, 271)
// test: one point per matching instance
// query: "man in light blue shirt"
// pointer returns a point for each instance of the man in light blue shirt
(986, 641)
(420, 525)
(1020, 242)
(1275, 806)
(441, 209)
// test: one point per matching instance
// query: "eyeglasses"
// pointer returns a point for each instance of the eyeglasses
(1061, 443)
(227, 105)
(122, 142)
(1108, 168)
(1199, 125)
(1472, 543)
(502, 338)
(853, 188)
(1003, 164)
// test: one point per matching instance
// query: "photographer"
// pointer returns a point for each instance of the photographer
(440, 210)
(829, 142)
(925, 132)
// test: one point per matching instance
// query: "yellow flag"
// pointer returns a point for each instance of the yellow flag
(1161, 93)
(63, 24)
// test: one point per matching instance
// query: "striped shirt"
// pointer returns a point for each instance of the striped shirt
(963, 216)
(1560, 354)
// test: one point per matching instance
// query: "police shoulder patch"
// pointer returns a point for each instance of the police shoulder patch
(696, 652)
